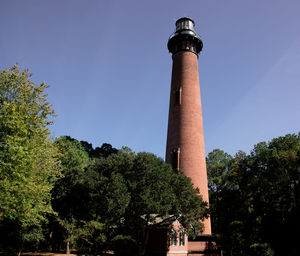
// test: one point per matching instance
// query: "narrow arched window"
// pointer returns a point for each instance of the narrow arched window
(173, 238)
(181, 238)
(178, 96)
(175, 159)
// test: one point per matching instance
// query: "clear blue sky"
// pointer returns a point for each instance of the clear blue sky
(109, 68)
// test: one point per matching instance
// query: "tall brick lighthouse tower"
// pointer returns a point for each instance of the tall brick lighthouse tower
(185, 142)
(185, 139)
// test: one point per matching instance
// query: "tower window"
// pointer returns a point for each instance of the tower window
(181, 238)
(173, 238)
(175, 159)
(188, 46)
(178, 96)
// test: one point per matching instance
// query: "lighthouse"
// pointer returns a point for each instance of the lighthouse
(185, 139)
(185, 143)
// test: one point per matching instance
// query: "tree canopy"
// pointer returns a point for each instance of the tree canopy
(118, 196)
(28, 158)
(255, 198)
(140, 189)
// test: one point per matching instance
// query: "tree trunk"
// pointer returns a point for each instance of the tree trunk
(68, 248)
(21, 249)
(143, 244)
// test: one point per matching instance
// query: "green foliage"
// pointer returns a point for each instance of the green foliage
(255, 198)
(32, 237)
(79, 197)
(218, 162)
(72, 154)
(69, 192)
(91, 237)
(261, 249)
(104, 151)
(14, 236)
(28, 164)
(134, 192)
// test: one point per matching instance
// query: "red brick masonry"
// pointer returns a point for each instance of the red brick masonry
(185, 127)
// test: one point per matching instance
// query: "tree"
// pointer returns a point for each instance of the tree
(78, 223)
(104, 151)
(69, 194)
(218, 166)
(225, 200)
(28, 158)
(72, 154)
(133, 193)
(257, 198)
(275, 191)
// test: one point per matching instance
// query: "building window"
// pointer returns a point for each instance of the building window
(175, 159)
(188, 46)
(173, 238)
(181, 238)
(178, 96)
